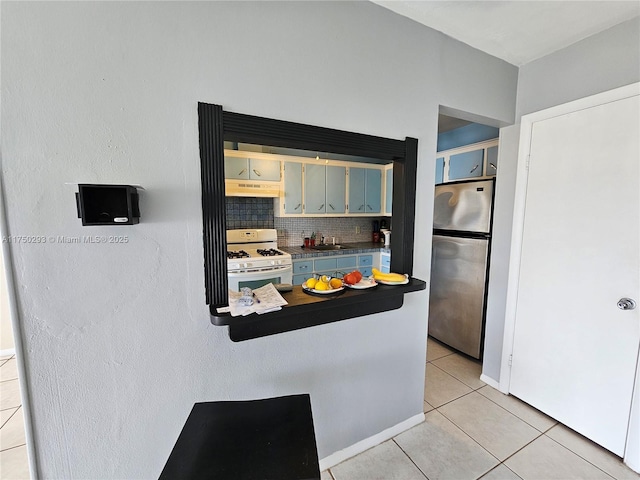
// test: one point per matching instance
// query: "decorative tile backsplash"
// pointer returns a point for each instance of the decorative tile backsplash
(291, 231)
(250, 212)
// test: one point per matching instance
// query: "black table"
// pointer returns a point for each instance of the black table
(272, 438)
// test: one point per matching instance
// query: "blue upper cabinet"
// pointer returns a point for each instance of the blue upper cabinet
(356, 190)
(292, 187)
(373, 190)
(251, 169)
(388, 195)
(466, 165)
(315, 185)
(365, 190)
(325, 189)
(336, 190)
(439, 169)
(492, 160)
(264, 170)
(237, 168)
(466, 153)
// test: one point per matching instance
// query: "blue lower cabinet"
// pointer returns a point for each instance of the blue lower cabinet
(385, 263)
(304, 266)
(365, 260)
(324, 264)
(365, 271)
(300, 279)
(346, 262)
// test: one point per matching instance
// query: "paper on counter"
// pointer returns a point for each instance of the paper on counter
(267, 299)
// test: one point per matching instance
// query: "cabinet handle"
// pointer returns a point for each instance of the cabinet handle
(257, 172)
(242, 171)
(474, 169)
(493, 166)
(331, 207)
(369, 206)
(299, 205)
(304, 267)
(321, 207)
(361, 207)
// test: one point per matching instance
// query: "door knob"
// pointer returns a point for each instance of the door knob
(626, 304)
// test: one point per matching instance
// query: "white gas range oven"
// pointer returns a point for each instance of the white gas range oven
(253, 259)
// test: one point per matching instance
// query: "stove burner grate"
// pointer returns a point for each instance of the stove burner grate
(239, 254)
(271, 252)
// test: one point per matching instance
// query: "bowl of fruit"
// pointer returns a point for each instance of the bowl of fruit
(323, 285)
(354, 280)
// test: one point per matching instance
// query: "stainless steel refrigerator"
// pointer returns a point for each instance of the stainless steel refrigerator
(462, 220)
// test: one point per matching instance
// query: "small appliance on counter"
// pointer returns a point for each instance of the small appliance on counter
(375, 234)
(387, 236)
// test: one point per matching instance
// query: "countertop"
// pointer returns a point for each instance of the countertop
(306, 310)
(356, 248)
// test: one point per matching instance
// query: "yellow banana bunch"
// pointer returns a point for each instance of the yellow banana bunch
(387, 277)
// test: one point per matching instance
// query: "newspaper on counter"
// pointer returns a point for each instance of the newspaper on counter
(266, 299)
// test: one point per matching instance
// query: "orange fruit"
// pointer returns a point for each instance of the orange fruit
(335, 283)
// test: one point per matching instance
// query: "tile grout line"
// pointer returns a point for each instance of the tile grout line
(473, 439)
(15, 446)
(518, 417)
(409, 457)
(10, 416)
(577, 454)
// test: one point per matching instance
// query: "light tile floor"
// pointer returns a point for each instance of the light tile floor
(13, 451)
(473, 431)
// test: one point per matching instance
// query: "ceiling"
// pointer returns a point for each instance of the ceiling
(516, 31)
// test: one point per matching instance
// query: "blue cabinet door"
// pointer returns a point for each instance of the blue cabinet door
(389, 191)
(439, 170)
(492, 160)
(236, 168)
(346, 262)
(264, 170)
(356, 190)
(292, 187)
(373, 190)
(466, 165)
(315, 185)
(336, 190)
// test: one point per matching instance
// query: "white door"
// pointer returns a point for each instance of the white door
(574, 350)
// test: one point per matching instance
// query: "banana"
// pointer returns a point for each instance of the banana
(389, 277)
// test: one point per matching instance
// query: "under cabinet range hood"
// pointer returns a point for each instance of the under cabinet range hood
(251, 188)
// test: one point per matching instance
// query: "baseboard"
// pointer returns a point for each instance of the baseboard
(490, 381)
(7, 352)
(341, 455)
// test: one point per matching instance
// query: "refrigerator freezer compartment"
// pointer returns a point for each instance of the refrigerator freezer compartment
(463, 206)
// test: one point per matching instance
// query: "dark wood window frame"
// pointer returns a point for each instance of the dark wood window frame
(216, 126)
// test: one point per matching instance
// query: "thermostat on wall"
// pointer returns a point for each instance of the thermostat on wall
(107, 204)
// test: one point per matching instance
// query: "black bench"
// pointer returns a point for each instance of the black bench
(272, 438)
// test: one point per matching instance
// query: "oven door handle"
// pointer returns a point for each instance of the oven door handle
(280, 268)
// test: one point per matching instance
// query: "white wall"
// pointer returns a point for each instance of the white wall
(599, 63)
(117, 337)
(500, 250)
(596, 64)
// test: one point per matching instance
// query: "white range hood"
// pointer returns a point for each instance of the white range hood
(252, 188)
